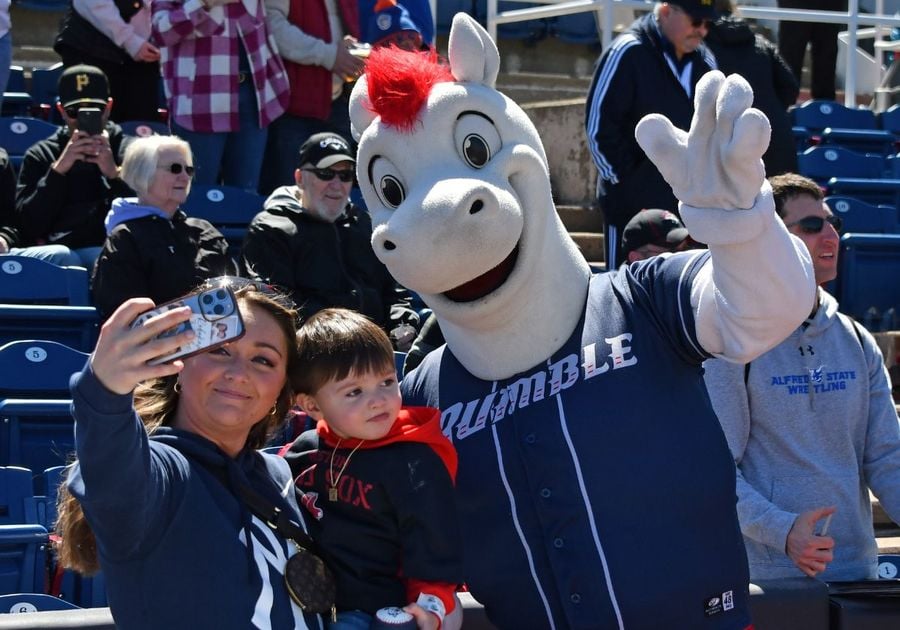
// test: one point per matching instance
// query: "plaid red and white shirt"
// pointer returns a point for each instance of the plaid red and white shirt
(199, 51)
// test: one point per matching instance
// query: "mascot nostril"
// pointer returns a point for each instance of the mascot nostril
(477, 207)
(389, 245)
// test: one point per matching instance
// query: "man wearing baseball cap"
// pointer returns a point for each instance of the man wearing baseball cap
(651, 68)
(68, 181)
(310, 240)
(653, 232)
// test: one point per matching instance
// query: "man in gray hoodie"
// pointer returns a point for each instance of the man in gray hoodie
(811, 425)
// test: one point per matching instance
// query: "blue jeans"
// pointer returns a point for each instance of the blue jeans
(232, 158)
(56, 254)
(5, 61)
(351, 620)
(288, 132)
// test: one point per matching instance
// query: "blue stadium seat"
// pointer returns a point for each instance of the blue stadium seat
(32, 602)
(73, 326)
(32, 281)
(399, 360)
(36, 434)
(890, 120)
(578, 28)
(23, 543)
(533, 30)
(229, 209)
(18, 133)
(823, 162)
(43, 88)
(802, 137)
(874, 191)
(38, 369)
(816, 115)
(868, 269)
(16, 81)
(859, 216)
(16, 100)
(888, 566)
(144, 128)
(861, 140)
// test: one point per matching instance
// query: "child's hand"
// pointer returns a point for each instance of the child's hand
(425, 620)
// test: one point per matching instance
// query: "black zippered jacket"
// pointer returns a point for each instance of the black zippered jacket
(323, 264)
(66, 209)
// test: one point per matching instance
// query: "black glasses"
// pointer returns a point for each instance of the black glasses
(814, 225)
(327, 174)
(175, 168)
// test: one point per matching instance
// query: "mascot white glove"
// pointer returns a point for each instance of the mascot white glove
(717, 163)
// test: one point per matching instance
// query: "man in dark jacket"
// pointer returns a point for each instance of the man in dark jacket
(309, 240)
(652, 67)
(67, 182)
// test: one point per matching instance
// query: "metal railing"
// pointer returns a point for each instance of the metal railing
(604, 10)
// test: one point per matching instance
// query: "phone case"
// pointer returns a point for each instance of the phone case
(90, 121)
(215, 320)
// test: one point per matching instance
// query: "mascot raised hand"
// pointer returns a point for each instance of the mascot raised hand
(595, 486)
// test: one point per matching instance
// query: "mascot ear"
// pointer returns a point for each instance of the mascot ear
(473, 54)
(361, 114)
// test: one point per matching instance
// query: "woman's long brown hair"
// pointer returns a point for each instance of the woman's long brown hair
(155, 403)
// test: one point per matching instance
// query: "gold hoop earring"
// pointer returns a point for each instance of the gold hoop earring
(177, 387)
(274, 410)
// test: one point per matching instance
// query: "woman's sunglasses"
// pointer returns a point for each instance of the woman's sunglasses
(814, 225)
(175, 168)
(327, 174)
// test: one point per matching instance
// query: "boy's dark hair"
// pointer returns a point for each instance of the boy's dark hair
(791, 185)
(337, 342)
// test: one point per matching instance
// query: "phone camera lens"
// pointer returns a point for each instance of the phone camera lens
(218, 309)
(207, 299)
(221, 294)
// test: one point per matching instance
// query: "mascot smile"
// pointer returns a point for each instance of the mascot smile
(576, 401)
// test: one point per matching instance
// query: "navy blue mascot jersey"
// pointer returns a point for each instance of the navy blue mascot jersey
(596, 490)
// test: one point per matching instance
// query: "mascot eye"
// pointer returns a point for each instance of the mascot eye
(391, 191)
(477, 139)
(476, 151)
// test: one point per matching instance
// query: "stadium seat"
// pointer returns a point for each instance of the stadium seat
(874, 191)
(43, 89)
(399, 360)
(144, 128)
(823, 162)
(16, 100)
(32, 602)
(18, 133)
(73, 326)
(16, 81)
(532, 30)
(32, 281)
(229, 209)
(859, 216)
(861, 140)
(816, 115)
(868, 268)
(38, 369)
(802, 138)
(23, 543)
(888, 566)
(37, 434)
(577, 28)
(890, 120)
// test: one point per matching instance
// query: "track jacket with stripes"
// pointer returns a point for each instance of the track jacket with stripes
(634, 77)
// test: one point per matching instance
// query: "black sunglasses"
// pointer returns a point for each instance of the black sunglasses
(327, 174)
(237, 284)
(698, 22)
(814, 225)
(176, 167)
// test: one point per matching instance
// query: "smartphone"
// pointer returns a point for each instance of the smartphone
(90, 120)
(215, 320)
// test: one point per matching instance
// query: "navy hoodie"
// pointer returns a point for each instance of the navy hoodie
(171, 537)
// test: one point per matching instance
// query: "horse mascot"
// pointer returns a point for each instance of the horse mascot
(595, 486)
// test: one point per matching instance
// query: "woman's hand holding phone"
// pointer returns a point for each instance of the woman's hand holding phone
(121, 358)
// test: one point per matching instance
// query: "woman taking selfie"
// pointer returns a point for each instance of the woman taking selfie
(166, 459)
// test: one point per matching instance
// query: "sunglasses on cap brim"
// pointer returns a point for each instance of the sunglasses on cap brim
(814, 225)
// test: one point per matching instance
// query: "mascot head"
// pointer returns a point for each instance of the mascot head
(456, 180)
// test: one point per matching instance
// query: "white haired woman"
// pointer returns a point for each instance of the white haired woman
(152, 248)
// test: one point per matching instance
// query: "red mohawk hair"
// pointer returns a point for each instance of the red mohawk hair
(399, 82)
